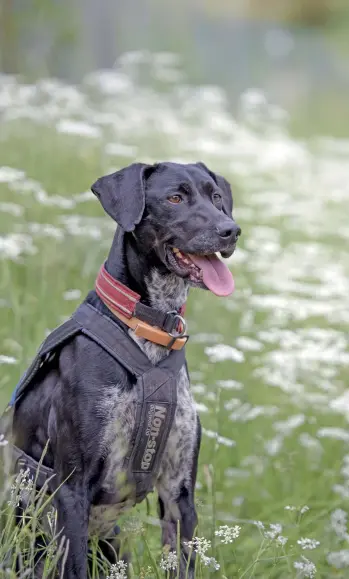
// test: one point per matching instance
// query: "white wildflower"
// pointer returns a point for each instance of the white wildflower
(72, 127)
(301, 510)
(305, 568)
(3, 441)
(308, 544)
(169, 561)
(275, 530)
(342, 490)
(222, 352)
(9, 174)
(339, 520)
(199, 545)
(228, 534)
(339, 559)
(259, 525)
(72, 294)
(118, 571)
(23, 483)
(334, 432)
(210, 562)
(8, 360)
(282, 540)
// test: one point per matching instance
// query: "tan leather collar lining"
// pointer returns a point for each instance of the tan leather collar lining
(148, 332)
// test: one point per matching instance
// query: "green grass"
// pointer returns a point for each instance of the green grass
(253, 462)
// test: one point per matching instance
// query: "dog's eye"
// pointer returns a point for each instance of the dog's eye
(175, 199)
(217, 198)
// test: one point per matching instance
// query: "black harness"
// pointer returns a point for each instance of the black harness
(156, 388)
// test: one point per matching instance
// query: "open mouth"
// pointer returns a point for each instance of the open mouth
(203, 271)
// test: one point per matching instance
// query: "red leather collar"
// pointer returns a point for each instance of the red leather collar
(126, 305)
(118, 296)
(115, 294)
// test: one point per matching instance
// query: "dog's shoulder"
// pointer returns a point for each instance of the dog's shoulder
(85, 364)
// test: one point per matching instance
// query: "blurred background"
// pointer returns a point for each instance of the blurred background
(297, 51)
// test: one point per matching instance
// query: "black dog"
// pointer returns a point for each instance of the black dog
(172, 219)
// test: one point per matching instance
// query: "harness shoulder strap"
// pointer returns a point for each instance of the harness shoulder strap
(110, 336)
(55, 339)
(98, 327)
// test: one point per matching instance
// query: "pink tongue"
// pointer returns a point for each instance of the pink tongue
(215, 274)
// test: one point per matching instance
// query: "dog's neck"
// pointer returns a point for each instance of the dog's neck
(145, 275)
(157, 287)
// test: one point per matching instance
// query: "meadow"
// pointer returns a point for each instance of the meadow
(268, 364)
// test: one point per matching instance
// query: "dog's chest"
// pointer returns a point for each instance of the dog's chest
(118, 434)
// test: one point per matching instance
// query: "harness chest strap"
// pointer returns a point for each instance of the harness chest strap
(156, 392)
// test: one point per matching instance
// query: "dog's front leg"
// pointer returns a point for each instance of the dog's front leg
(178, 509)
(176, 489)
(73, 509)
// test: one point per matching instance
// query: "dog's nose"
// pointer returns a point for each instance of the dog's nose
(230, 230)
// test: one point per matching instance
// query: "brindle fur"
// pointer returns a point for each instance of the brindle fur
(85, 405)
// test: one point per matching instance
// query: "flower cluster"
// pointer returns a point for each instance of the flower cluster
(169, 561)
(200, 545)
(274, 531)
(301, 510)
(118, 571)
(339, 519)
(3, 441)
(211, 563)
(259, 525)
(339, 559)
(228, 534)
(308, 544)
(23, 483)
(305, 568)
(281, 540)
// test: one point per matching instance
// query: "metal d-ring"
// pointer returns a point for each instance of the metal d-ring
(184, 326)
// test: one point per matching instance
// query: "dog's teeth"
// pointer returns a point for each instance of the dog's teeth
(186, 260)
(175, 250)
(179, 253)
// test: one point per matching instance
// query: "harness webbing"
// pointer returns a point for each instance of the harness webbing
(156, 388)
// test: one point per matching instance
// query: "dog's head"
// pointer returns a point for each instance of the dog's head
(180, 215)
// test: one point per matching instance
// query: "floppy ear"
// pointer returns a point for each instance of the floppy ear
(122, 194)
(224, 186)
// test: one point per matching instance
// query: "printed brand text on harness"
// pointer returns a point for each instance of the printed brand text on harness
(156, 417)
